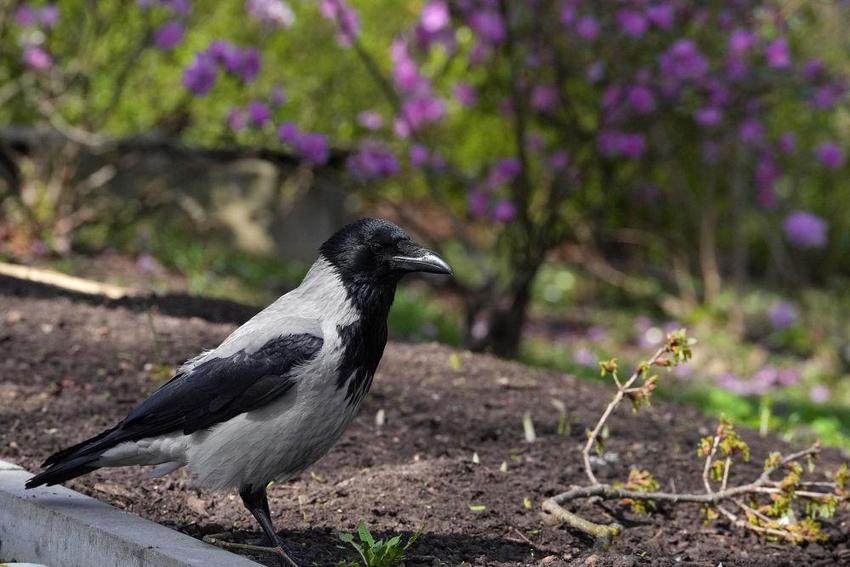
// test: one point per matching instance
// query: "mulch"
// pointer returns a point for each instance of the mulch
(73, 365)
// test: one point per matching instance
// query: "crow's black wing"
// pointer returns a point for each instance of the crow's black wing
(221, 388)
(211, 392)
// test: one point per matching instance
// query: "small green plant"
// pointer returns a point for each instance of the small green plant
(380, 553)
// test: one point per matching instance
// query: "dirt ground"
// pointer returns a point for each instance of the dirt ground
(72, 366)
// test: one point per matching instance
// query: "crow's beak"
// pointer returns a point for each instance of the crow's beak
(415, 258)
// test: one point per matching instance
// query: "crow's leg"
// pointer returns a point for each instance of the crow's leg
(257, 503)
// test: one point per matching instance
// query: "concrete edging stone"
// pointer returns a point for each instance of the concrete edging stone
(57, 526)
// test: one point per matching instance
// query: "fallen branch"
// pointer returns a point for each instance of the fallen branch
(774, 519)
(64, 281)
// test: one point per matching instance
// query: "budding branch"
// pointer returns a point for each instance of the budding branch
(764, 484)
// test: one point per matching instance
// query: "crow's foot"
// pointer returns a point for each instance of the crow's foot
(279, 549)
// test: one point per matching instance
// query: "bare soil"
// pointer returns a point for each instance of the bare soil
(73, 365)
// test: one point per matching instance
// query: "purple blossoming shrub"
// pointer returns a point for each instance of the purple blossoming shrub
(529, 124)
(663, 92)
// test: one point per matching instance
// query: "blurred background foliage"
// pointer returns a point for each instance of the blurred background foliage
(599, 173)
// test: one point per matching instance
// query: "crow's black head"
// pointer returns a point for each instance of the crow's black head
(377, 252)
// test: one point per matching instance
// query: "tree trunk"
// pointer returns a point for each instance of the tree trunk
(711, 278)
(505, 315)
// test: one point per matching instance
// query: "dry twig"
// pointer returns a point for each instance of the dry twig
(641, 489)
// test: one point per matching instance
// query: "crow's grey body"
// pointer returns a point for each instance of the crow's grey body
(276, 395)
(281, 439)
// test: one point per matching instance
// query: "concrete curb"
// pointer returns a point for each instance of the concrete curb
(57, 526)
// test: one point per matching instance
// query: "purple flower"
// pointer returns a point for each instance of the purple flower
(259, 113)
(544, 98)
(782, 315)
(488, 26)
(273, 13)
(830, 155)
(641, 99)
(632, 22)
(708, 116)
(813, 69)
(787, 377)
(406, 74)
(662, 15)
(777, 53)
(313, 148)
(825, 97)
(417, 112)
(633, 145)
(169, 35)
(585, 357)
(805, 230)
(717, 91)
(200, 76)
(741, 41)
(401, 128)
(503, 171)
(250, 65)
(559, 160)
(288, 133)
(26, 16)
(787, 142)
(48, 15)
(407, 78)
(418, 155)
(179, 7)
(370, 119)
(278, 96)
(614, 143)
(345, 17)
(729, 381)
(609, 143)
(477, 203)
(465, 94)
(504, 211)
(683, 61)
(224, 54)
(751, 131)
(372, 162)
(596, 71)
(434, 16)
(37, 58)
(237, 120)
(736, 69)
(568, 14)
(819, 394)
(245, 64)
(587, 28)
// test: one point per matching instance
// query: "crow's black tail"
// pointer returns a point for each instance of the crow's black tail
(74, 461)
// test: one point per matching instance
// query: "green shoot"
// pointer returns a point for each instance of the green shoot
(377, 553)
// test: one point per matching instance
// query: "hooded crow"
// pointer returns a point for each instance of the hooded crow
(275, 396)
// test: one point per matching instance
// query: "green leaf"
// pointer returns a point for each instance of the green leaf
(365, 535)
(477, 507)
(393, 542)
